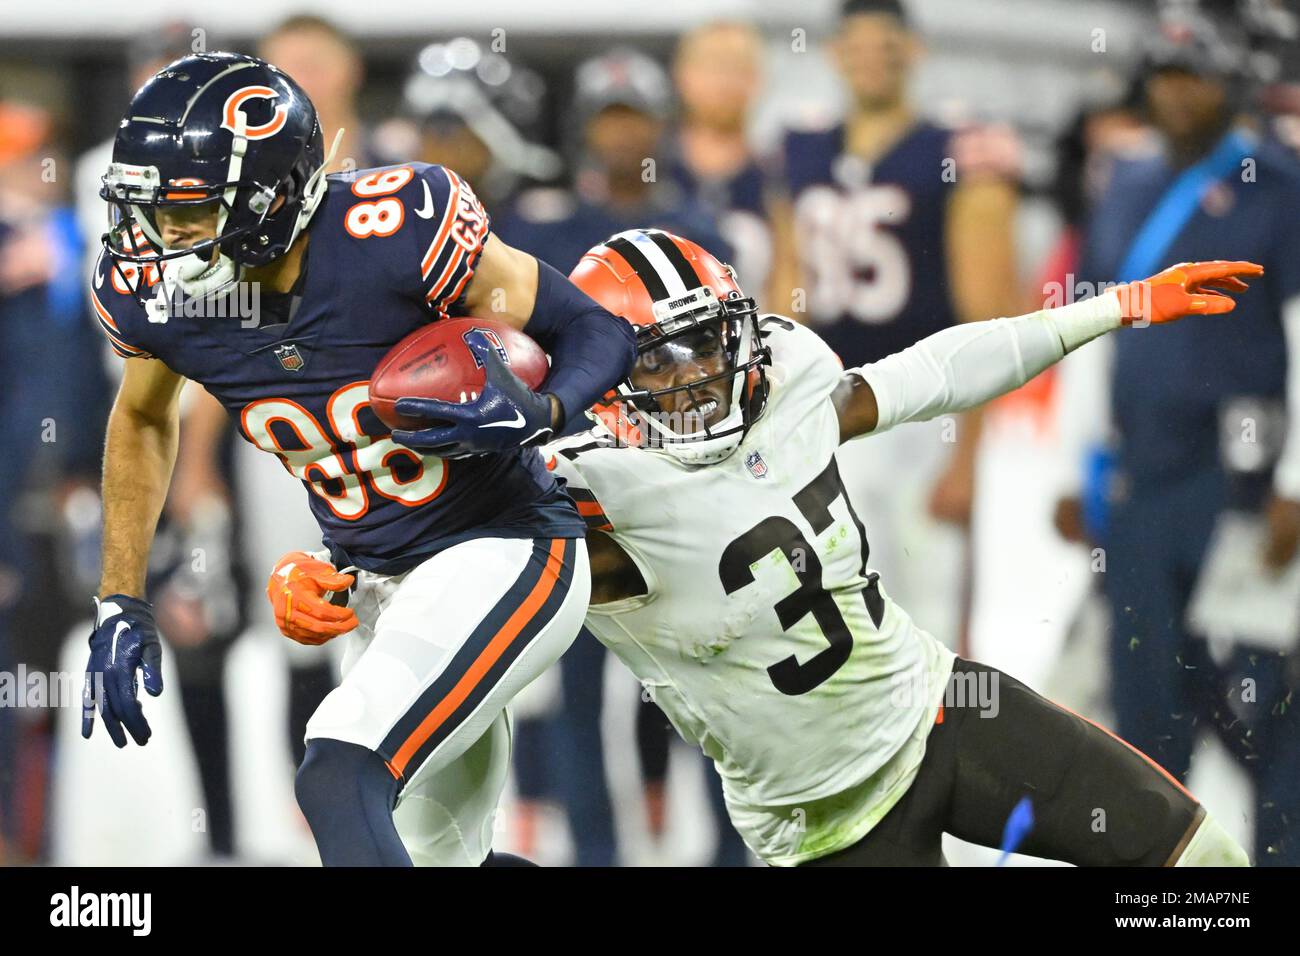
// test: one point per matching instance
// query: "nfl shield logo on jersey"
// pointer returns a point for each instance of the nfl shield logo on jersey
(756, 465)
(291, 359)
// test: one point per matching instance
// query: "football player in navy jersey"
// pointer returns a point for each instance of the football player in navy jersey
(898, 229)
(232, 259)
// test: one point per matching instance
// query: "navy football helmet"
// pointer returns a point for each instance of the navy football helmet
(225, 140)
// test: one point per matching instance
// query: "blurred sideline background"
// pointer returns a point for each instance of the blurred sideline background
(494, 90)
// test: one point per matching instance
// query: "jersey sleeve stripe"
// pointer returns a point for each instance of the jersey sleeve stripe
(590, 509)
(598, 524)
(102, 312)
(453, 261)
(460, 286)
(458, 252)
(444, 228)
(110, 329)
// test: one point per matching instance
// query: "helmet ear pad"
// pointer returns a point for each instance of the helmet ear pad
(280, 224)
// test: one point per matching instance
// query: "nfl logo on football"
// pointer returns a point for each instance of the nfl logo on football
(291, 359)
(493, 340)
(756, 465)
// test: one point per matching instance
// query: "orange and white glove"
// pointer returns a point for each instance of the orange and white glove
(1184, 289)
(297, 590)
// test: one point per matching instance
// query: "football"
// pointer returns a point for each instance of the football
(436, 362)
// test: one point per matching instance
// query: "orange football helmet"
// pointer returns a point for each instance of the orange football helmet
(680, 299)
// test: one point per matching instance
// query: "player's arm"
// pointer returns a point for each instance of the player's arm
(980, 237)
(591, 351)
(967, 365)
(143, 431)
(140, 451)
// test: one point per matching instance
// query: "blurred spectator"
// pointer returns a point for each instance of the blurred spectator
(54, 403)
(898, 229)
(622, 104)
(1183, 454)
(718, 71)
(325, 62)
(474, 111)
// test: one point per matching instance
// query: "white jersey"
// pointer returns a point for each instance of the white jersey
(763, 636)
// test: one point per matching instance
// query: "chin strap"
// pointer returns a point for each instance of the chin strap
(314, 191)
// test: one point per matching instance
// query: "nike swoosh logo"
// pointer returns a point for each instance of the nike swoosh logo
(99, 278)
(121, 626)
(426, 211)
(517, 423)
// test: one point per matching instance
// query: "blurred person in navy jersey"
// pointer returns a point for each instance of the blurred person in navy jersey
(898, 228)
(617, 124)
(54, 401)
(618, 121)
(1183, 454)
(718, 72)
(476, 111)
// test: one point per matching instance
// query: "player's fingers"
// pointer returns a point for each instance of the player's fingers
(332, 580)
(431, 409)
(1212, 304)
(488, 355)
(120, 686)
(308, 630)
(307, 638)
(88, 704)
(151, 666)
(429, 441)
(109, 716)
(1200, 272)
(318, 609)
(1226, 283)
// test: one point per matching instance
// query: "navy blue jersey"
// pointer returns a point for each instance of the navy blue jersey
(389, 250)
(871, 239)
(738, 203)
(558, 228)
(1170, 383)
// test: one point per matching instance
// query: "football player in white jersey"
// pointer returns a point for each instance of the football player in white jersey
(730, 574)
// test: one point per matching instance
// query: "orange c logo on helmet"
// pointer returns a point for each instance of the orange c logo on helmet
(236, 100)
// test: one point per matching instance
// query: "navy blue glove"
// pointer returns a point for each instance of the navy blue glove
(507, 414)
(125, 637)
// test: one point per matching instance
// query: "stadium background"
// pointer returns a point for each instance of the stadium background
(1029, 66)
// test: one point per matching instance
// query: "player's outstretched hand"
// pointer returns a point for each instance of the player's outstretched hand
(507, 414)
(1185, 289)
(125, 639)
(297, 589)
